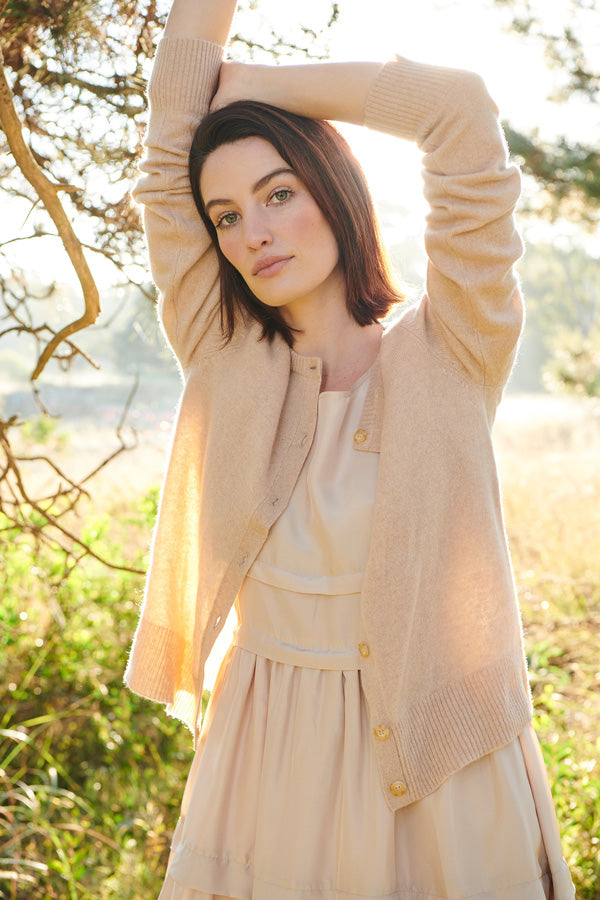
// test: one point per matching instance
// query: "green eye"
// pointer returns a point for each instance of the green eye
(227, 219)
(281, 195)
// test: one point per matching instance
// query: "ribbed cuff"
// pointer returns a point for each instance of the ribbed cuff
(184, 74)
(154, 663)
(406, 97)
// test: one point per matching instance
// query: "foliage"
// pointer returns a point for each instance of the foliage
(568, 172)
(78, 77)
(567, 176)
(90, 776)
(561, 283)
(572, 766)
(576, 365)
(43, 430)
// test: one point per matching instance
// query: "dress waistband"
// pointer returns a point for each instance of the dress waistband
(267, 645)
(300, 629)
(305, 584)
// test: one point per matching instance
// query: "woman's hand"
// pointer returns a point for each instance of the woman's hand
(241, 81)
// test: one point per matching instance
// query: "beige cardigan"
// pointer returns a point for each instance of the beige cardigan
(442, 658)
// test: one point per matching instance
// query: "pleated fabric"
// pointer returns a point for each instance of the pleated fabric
(284, 800)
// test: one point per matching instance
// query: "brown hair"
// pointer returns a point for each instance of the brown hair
(324, 163)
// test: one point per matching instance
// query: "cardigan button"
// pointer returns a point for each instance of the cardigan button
(381, 732)
(363, 650)
(360, 436)
(398, 788)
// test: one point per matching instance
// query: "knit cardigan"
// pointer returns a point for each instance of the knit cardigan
(442, 662)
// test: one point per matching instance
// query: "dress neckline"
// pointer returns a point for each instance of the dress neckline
(353, 387)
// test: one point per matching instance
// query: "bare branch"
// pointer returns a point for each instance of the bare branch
(47, 525)
(48, 193)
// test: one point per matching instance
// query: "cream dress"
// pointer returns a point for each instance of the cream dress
(284, 800)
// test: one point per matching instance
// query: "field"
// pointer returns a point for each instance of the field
(548, 457)
(91, 777)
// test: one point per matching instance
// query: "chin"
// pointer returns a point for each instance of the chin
(276, 299)
(273, 303)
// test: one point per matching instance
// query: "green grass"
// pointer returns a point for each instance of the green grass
(91, 777)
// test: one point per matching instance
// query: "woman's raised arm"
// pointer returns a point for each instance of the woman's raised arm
(336, 91)
(182, 257)
(209, 20)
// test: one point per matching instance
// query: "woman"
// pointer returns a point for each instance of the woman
(369, 732)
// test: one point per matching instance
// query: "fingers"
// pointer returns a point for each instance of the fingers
(225, 92)
(243, 81)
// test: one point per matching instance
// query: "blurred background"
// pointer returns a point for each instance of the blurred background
(90, 776)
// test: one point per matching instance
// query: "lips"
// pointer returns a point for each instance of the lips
(269, 265)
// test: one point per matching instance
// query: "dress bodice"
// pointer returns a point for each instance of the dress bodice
(300, 602)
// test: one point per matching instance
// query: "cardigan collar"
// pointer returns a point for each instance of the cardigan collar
(368, 435)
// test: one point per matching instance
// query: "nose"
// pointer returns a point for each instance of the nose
(256, 231)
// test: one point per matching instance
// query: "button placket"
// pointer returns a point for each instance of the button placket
(387, 752)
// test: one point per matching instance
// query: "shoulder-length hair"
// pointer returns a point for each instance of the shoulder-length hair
(324, 163)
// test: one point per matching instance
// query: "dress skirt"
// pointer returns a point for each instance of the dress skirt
(284, 799)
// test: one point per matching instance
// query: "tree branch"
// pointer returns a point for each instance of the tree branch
(48, 193)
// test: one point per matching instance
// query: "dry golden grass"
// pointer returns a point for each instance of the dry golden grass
(549, 459)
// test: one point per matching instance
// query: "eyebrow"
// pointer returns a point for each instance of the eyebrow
(284, 170)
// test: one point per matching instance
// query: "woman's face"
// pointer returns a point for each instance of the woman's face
(268, 225)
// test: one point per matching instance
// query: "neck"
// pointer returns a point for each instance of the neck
(326, 329)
